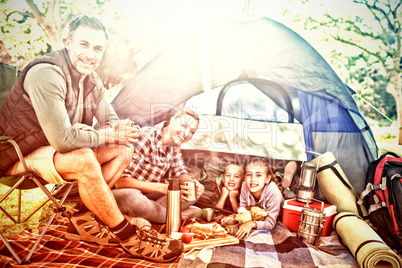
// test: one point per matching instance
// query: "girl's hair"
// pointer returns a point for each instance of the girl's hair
(234, 163)
(259, 161)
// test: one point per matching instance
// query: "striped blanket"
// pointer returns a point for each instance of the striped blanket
(56, 251)
(277, 248)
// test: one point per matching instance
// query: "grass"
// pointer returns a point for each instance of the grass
(30, 199)
(387, 139)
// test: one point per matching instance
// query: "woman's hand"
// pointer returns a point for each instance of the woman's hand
(199, 188)
(185, 191)
(126, 133)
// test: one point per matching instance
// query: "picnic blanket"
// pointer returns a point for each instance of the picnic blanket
(56, 251)
(276, 248)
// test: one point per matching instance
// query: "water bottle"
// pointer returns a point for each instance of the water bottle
(173, 213)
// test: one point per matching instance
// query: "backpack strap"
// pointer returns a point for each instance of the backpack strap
(377, 204)
(372, 187)
(332, 167)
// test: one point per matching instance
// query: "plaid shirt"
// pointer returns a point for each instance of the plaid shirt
(151, 160)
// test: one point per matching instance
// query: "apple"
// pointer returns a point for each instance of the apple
(185, 229)
(186, 237)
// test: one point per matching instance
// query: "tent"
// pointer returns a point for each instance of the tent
(261, 90)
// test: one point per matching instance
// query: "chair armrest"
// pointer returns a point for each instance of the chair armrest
(3, 139)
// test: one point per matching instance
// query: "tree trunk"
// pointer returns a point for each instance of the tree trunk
(50, 21)
(394, 88)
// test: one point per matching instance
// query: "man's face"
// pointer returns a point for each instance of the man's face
(85, 48)
(183, 128)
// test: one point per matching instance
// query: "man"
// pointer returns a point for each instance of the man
(139, 192)
(50, 112)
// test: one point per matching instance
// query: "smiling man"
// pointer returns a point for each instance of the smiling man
(140, 193)
(50, 113)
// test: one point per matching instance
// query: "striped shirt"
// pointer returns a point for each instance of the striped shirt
(151, 160)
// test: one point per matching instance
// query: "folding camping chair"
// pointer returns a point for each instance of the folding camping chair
(26, 180)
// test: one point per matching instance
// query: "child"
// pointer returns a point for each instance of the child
(260, 189)
(232, 179)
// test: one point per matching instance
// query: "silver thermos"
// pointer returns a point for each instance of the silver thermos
(173, 213)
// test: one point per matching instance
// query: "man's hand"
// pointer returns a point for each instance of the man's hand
(126, 133)
(83, 127)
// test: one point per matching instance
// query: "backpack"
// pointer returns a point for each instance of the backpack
(383, 198)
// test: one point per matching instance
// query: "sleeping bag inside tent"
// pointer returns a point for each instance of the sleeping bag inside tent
(260, 90)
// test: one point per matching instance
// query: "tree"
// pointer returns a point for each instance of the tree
(33, 30)
(378, 39)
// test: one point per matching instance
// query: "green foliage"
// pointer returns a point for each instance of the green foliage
(25, 38)
(21, 35)
(365, 50)
(371, 85)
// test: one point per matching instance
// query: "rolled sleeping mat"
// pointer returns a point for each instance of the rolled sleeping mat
(336, 187)
(364, 243)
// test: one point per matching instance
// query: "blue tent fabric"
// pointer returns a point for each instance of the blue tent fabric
(209, 57)
(323, 115)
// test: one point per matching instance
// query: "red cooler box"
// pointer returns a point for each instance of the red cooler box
(292, 211)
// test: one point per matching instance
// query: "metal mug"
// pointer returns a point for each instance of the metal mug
(208, 214)
(192, 196)
(231, 226)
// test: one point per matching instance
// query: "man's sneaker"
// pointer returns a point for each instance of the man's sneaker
(145, 243)
(86, 227)
(138, 221)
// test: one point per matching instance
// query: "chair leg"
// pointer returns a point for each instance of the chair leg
(49, 222)
(15, 255)
(59, 208)
(14, 187)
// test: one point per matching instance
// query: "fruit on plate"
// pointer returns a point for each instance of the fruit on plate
(186, 237)
(185, 229)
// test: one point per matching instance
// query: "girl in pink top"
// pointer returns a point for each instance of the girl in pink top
(263, 190)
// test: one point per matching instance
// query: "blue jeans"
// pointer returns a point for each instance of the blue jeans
(151, 207)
